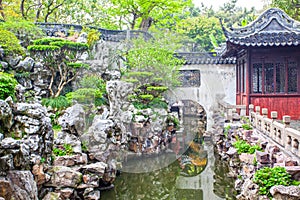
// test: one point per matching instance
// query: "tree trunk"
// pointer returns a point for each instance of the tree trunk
(1, 10)
(145, 24)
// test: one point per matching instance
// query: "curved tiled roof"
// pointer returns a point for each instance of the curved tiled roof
(196, 58)
(52, 29)
(272, 28)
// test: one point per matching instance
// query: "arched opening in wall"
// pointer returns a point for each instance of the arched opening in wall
(193, 120)
(192, 109)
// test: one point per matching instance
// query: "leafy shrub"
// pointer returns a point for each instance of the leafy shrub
(7, 85)
(58, 103)
(93, 35)
(267, 177)
(10, 43)
(158, 103)
(85, 96)
(226, 129)
(66, 149)
(93, 81)
(243, 147)
(146, 97)
(246, 126)
(84, 146)
(25, 31)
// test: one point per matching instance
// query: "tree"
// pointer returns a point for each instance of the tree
(200, 28)
(291, 7)
(141, 14)
(153, 61)
(61, 58)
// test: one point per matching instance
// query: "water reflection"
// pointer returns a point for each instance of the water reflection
(186, 172)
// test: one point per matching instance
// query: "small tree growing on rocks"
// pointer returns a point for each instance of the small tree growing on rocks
(61, 58)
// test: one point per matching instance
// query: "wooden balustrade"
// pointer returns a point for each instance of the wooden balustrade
(277, 130)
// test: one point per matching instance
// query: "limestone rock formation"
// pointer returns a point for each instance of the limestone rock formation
(73, 120)
(280, 192)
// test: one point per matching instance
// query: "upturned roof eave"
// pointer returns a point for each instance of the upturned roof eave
(261, 26)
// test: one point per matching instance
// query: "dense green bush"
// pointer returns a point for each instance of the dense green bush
(92, 90)
(243, 147)
(267, 177)
(59, 103)
(10, 43)
(7, 85)
(246, 126)
(65, 150)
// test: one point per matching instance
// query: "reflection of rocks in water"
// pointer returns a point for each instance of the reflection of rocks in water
(194, 160)
(147, 163)
(221, 170)
(154, 185)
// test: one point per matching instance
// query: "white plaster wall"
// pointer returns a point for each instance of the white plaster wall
(217, 82)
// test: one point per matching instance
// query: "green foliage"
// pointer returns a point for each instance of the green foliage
(22, 75)
(136, 13)
(267, 177)
(47, 40)
(93, 35)
(84, 146)
(130, 80)
(157, 88)
(75, 46)
(158, 103)
(243, 147)
(42, 160)
(36, 48)
(10, 43)
(200, 29)
(246, 127)
(61, 57)
(25, 31)
(226, 129)
(147, 97)
(92, 89)
(152, 59)
(7, 85)
(58, 103)
(93, 81)
(174, 120)
(78, 65)
(66, 149)
(84, 95)
(290, 7)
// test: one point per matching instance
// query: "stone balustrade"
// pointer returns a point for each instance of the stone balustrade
(278, 131)
(229, 109)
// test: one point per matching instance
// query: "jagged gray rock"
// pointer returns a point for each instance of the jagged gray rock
(25, 65)
(23, 184)
(280, 192)
(64, 177)
(73, 120)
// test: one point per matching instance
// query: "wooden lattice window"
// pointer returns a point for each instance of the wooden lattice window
(275, 77)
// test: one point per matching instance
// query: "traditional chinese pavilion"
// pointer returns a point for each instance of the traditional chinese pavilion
(267, 53)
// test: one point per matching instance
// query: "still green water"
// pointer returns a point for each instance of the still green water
(194, 173)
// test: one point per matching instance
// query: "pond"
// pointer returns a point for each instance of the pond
(190, 171)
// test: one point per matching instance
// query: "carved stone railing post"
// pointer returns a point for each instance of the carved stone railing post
(274, 116)
(257, 114)
(286, 120)
(264, 112)
(251, 109)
